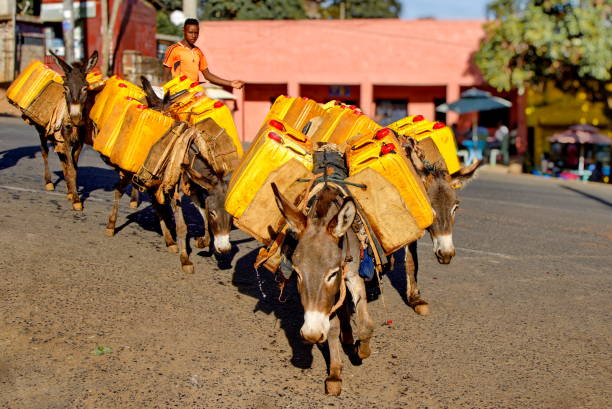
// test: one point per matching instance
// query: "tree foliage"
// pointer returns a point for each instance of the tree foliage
(363, 9)
(253, 10)
(535, 42)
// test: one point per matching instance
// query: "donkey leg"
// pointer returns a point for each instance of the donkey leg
(365, 325)
(204, 241)
(181, 234)
(333, 382)
(415, 301)
(134, 198)
(70, 176)
(119, 190)
(44, 149)
(164, 222)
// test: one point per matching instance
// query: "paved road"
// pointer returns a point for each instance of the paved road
(520, 319)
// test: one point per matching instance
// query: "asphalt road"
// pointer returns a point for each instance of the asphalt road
(519, 319)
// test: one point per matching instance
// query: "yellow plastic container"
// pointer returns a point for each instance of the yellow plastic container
(270, 150)
(141, 128)
(178, 84)
(409, 124)
(444, 139)
(95, 79)
(115, 91)
(29, 83)
(203, 107)
(295, 112)
(417, 127)
(109, 129)
(341, 123)
(387, 157)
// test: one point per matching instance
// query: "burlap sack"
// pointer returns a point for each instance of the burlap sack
(42, 108)
(432, 153)
(262, 219)
(385, 210)
(218, 147)
(152, 170)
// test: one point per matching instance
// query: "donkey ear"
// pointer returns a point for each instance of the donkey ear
(152, 99)
(295, 219)
(65, 66)
(464, 175)
(92, 61)
(343, 220)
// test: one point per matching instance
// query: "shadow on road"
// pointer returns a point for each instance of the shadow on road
(10, 157)
(262, 286)
(587, 195)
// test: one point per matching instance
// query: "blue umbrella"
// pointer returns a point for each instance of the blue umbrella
(475, 100)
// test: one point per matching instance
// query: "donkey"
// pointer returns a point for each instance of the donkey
(68, 140)
(326, 261)
(206, 188)
(442, 192)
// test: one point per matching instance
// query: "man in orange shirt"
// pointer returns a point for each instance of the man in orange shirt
(184, 58)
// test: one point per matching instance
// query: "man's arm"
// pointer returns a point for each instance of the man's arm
(220, 81)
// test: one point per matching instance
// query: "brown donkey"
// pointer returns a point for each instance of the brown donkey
(206, 188)
(326, 261)
(69, 138)
(442, 192)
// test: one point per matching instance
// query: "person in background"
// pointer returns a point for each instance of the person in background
(184, 58)
(502, 139)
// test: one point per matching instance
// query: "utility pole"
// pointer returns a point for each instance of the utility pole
(68, 29)
(190, 9)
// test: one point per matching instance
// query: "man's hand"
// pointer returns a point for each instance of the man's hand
(237, 84)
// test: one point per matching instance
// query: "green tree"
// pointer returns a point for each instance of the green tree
(253, 10)
(534, 42)
(362, 9)
(164, 25)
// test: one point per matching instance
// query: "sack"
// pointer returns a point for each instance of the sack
(392, 223)
(262, 219)
(152, 170)
(217, 147)
(41, 110)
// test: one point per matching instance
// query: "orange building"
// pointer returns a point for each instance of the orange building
(388, 67)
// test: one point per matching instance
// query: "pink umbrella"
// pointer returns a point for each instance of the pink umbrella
(581, 134)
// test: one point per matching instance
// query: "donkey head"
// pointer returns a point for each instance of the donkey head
(442, 192)
(154, 101)
(318, 257)
(75, 85)
(219, 221)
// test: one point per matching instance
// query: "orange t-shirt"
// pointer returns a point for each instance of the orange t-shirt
(183, 60)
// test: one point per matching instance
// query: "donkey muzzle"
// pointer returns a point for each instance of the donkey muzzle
(315, 328)
(443, 248)
(222, 244)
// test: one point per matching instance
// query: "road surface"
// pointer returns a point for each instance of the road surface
(519, 319)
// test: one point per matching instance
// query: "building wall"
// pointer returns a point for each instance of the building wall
(355, 60)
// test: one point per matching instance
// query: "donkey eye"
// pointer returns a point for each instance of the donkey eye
(213, 214)
(332, 276)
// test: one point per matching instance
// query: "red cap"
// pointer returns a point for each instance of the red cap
(418, 118)
(275, 137)
(438, 125)
(183, 78)
(276, 124)
(387, 148)
(194, 84)
(122, 85)
(382, 133)
(218, 104)
(139, 106)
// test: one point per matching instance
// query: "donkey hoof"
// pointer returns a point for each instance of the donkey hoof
(134, 205)
(49, 186)
(187, 268)
(173, 248)
(110, 232)
(422, 309)
(363, 350)
(333, 386)
(202, 242)
(77, 206)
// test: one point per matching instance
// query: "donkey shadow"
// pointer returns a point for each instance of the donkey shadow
(11, 157)
(261, 285)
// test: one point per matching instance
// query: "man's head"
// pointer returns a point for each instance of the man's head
(191, 31)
